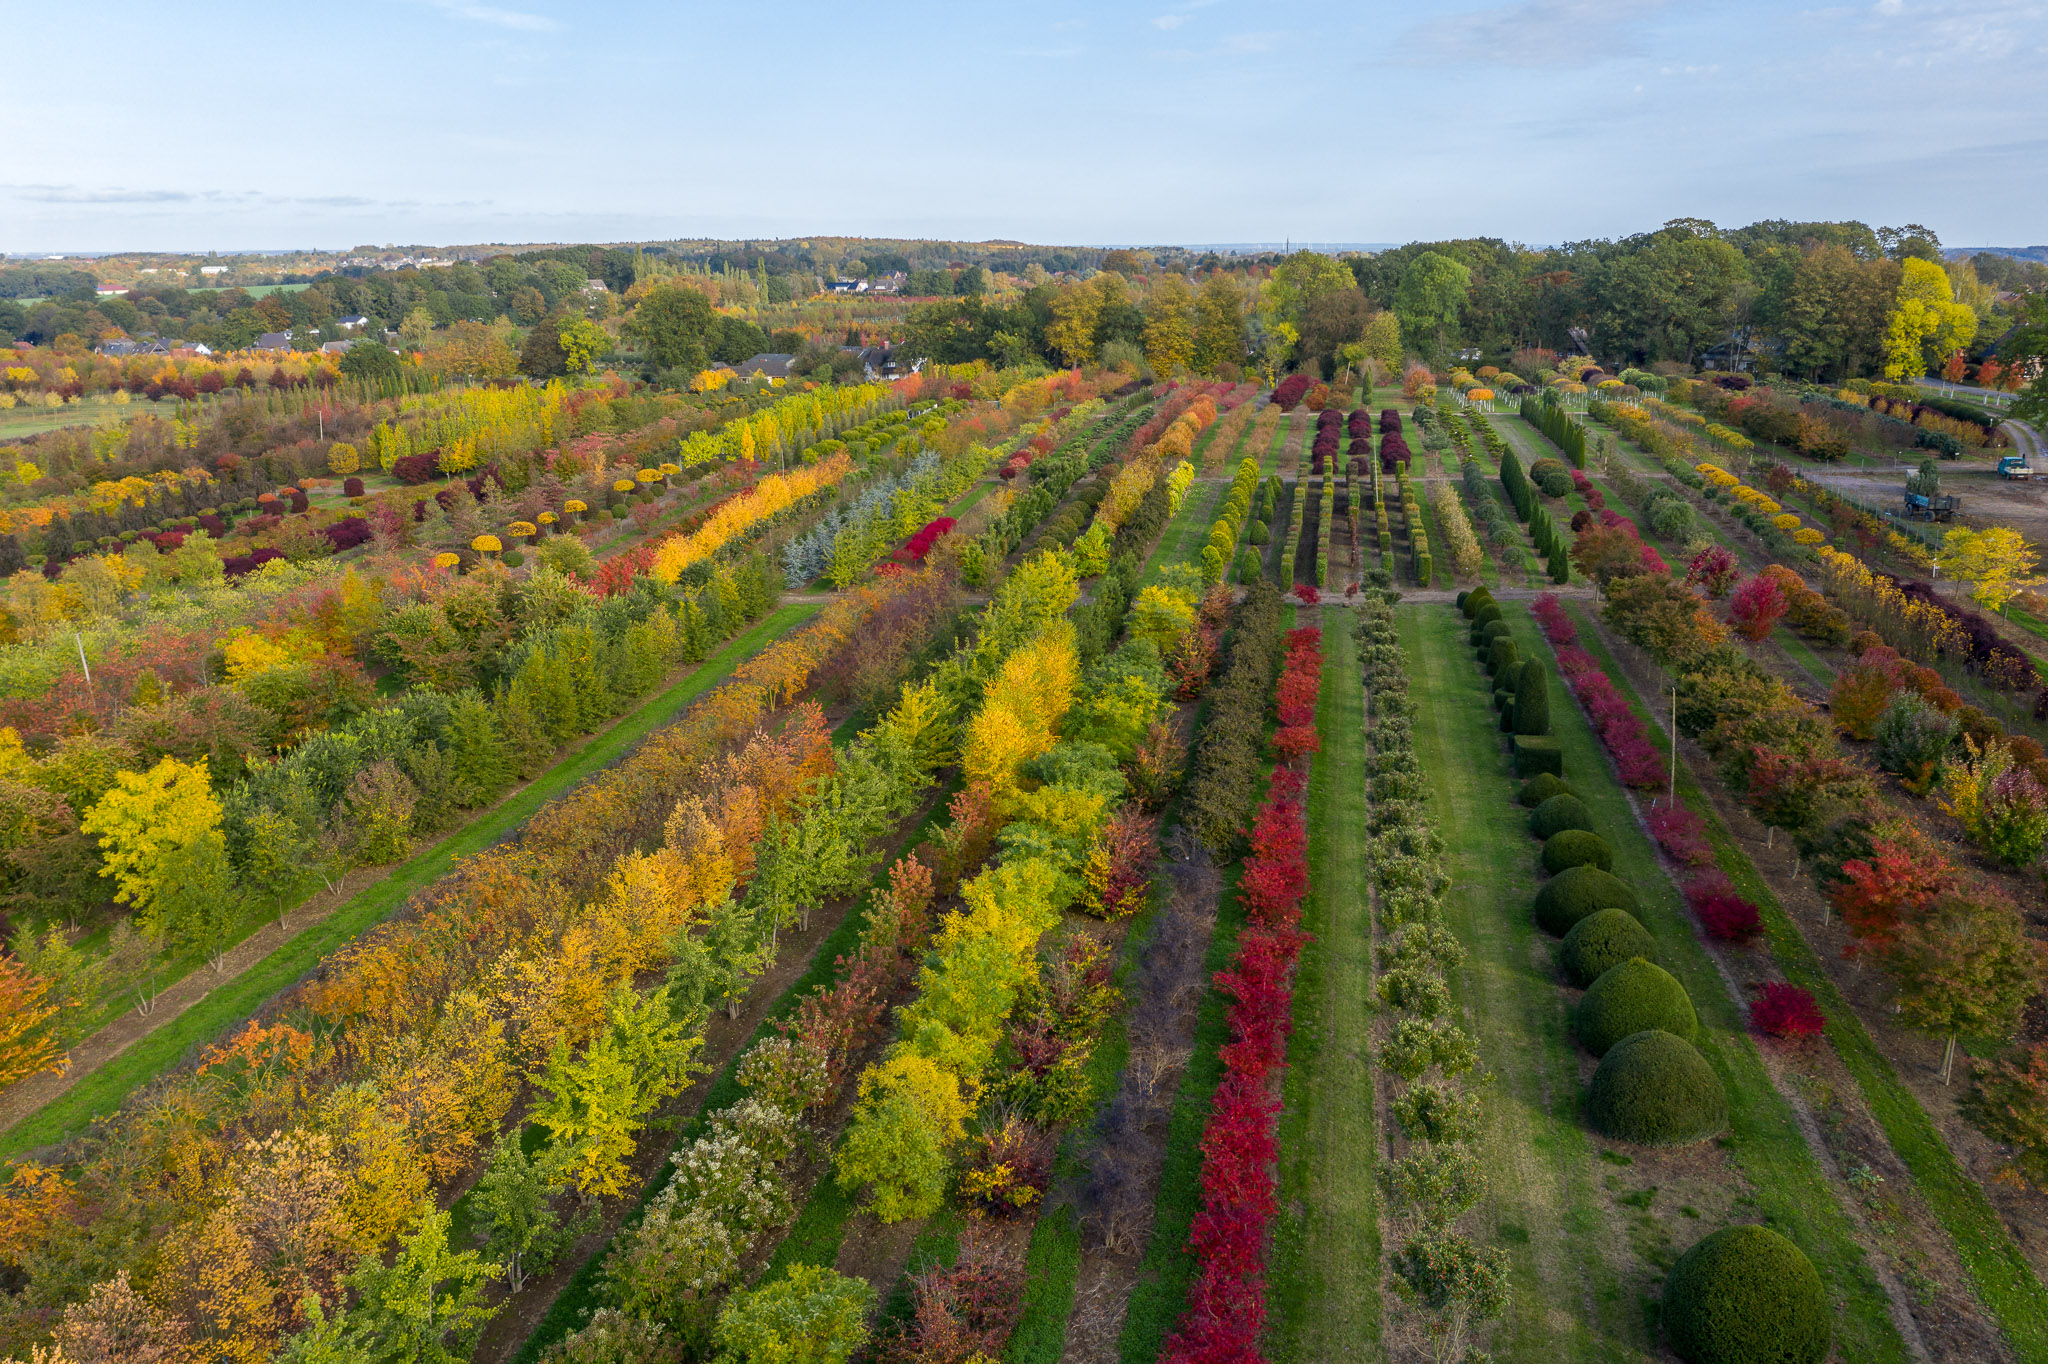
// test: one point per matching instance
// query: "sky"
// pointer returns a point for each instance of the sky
(239, 125)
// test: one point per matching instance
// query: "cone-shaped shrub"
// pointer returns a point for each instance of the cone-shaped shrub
(1532, 699)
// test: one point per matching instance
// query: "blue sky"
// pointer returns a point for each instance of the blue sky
(240, 125)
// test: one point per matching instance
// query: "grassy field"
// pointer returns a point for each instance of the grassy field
(1591, 1227)
(1323, 1289)
(102, 1091)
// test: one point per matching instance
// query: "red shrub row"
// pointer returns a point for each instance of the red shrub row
(920, 544)
(1227, 1303)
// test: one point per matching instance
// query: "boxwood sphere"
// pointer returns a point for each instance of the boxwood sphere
(1577, 848)
(1601, 941)
(1560, 814)
(1746, 1295)
(1573, 894)
(1654, 1089)
(1627, 999)
(1542, 787)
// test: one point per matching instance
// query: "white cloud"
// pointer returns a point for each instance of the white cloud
(1169, 21)
(1534, 33)
(491, 14)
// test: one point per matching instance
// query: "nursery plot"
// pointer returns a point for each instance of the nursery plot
(1590, 1225)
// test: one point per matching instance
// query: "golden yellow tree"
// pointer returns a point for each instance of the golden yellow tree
(1169, 326)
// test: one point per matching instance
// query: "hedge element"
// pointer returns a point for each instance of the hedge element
(1562, 813)
(1542, 787)
(1534, 755)
(1600, 942)
(1577, 848)
(1572, 895)
(1532, 699)
(1654, 1089)
(1630, 998)
(1746, 1295)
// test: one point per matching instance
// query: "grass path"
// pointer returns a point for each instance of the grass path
(1325, 1267)
(101, 1091)
(1592, 1227)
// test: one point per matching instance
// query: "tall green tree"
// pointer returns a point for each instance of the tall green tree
(1429, 300)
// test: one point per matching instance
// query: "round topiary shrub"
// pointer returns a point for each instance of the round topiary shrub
(1560, 814)
(1600, 942)
(1627, 999)
(1573, 894)
(1655, 1089)
(1577, 848)
(1461, 599)
(1542, 787)
(1746, 1295)
(1500, 657)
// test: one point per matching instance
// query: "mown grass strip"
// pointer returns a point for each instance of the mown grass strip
(103, 1091)
(1999, 1270)
(1784, 1183)
(1323, 1290)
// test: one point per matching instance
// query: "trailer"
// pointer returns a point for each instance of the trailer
(1931, 507)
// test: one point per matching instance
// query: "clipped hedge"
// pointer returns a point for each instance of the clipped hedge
(1571, 895)
(1577, 848)
(1542, 787)
(1532, 699)
(1600, 942)
(1473, 602)
(1560, 814)
(1534, 755)
(1746, 1295)
(1500, 656)
(1633, 997)
(1654, 1089)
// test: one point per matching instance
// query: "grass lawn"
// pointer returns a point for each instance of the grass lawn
(102, 1092)
(1588, 1240)
(1324, 1286)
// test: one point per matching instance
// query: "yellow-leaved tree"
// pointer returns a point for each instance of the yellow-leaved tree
(1996, 562)
(147, 820)
(1926, 322)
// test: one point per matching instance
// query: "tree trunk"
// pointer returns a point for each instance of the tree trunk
(1948, 1059)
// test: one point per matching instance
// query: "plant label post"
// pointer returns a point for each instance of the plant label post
(1674, 746)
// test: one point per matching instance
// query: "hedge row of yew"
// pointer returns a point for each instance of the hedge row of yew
(1744, 1295)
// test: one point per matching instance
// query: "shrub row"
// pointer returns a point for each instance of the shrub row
(1223, 775)
(1437, 1177)
(1226, 1303)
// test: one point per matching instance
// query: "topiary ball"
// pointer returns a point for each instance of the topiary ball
(1654, 1089)
(1561, 813)
(1600, 942)
(1573, 894)
(1542, 787)
(1461, 600)
(1628, 998)
(1743, 1295)
(1577, 848)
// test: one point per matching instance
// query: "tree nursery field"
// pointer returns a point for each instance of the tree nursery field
(1083, 808)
